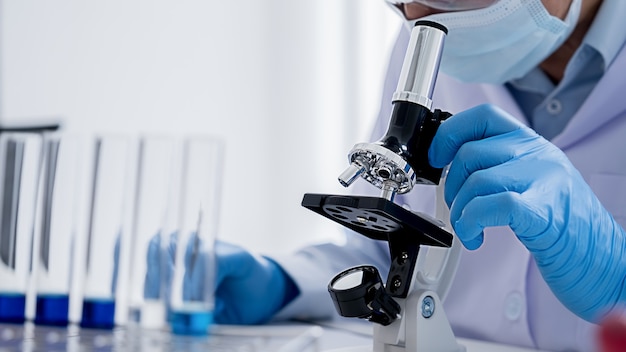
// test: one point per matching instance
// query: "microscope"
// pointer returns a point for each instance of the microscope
(406, 310)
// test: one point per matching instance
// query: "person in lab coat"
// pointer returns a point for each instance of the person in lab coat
(536, 188)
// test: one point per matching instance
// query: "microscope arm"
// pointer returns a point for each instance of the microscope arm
(424, 325)
(440, 265)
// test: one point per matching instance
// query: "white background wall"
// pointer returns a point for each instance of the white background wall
(290, 85)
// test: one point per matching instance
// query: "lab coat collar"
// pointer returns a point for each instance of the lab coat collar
(603, 104)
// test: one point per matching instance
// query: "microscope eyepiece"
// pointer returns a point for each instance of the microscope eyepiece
(421, 64)
(433, 24)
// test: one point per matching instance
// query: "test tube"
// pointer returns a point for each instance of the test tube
(20, 157)
(106, 237)
(147, 303)
(54, 229)
(193, 282)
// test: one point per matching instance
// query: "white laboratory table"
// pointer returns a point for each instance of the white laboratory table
(344, 336)
(356, 335)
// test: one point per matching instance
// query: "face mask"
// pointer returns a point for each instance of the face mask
(503, 41)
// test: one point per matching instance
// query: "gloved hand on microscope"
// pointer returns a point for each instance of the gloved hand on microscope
(505, 174)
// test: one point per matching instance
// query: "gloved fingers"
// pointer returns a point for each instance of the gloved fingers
(232, 261)
(487, 153)
(225, 314)
(497, 179)
(193, 281)
(250, 288)
(153, 254)
(474, 156)
(499, 209)
(152, 281)
(172, 246)
(192, 251)
(477, 123)
(474, 242)
(528, 222)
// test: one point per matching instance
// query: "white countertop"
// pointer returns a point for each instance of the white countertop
(353, 335)
(338, 336)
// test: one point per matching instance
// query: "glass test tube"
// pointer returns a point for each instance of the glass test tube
(147, 303)
(20, 157)
(55, 229)
(192, 290)
(105, 236)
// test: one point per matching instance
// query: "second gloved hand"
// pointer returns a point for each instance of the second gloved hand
(250, 288)
(503, 173)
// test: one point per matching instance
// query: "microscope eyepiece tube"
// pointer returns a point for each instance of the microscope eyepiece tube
(399, 160)
(421, 64)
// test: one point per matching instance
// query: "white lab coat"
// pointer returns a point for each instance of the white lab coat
(498, 293)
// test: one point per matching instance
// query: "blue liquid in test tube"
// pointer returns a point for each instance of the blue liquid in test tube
(12, 307)
(191, 322)
(98, 314)
(52, 310)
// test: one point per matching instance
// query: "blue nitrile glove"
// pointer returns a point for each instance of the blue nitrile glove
(250, 288)
(152, 283)
(503, 173)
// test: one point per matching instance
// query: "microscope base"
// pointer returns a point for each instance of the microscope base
(423, 327)
(414, 332)
(369, 349)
